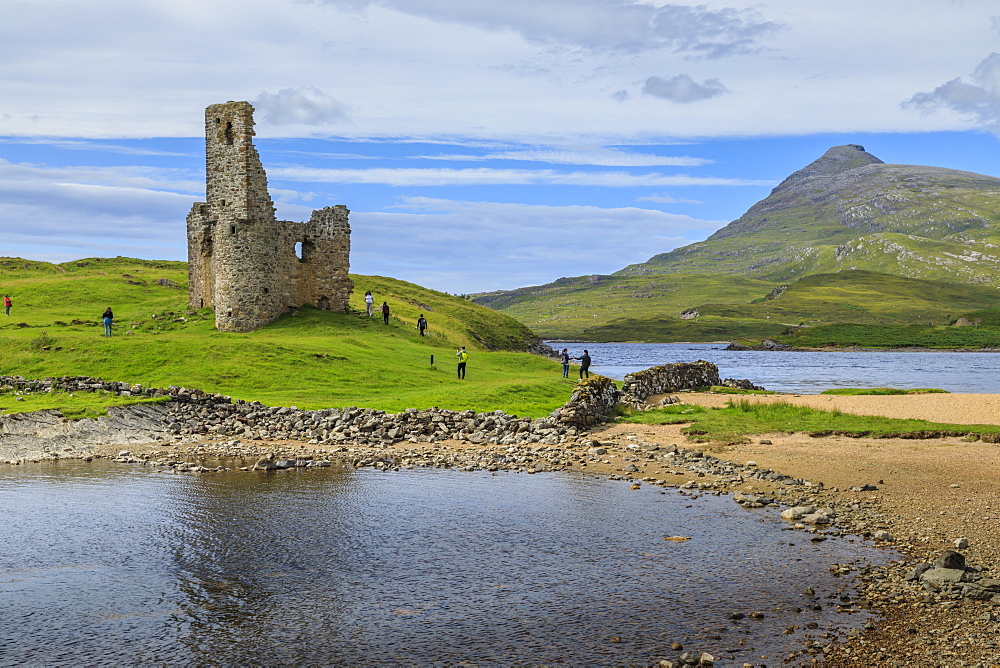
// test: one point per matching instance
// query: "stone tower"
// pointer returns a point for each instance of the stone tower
(243, 263)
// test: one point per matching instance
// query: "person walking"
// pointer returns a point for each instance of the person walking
(109, 318)
(421, 324)
(584, 364)
(385, 312)
(463, 357)
(564, 359)
(369, 302)
(6, 304)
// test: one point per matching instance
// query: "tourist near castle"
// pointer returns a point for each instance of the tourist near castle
(369, 302)
(6, 304)
(421, 325)
(109, 317)
(463, 357)
(584, 364)
(385, 312)
(564, 359)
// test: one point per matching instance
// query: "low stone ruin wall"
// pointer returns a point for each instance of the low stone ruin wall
(592, 401)
(194, 412)
(253, 420)
(670, 378)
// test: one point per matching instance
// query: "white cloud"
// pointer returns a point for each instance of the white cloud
(108, 209)
(486, 176)
(473, 246)
(664, 198)
(979, 101)
(299, 106)
(597, 157)
(682, 88)
(614, 25)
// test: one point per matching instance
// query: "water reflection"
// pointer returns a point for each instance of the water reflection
(326, 566)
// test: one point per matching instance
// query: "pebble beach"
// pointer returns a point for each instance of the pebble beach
(921, 498)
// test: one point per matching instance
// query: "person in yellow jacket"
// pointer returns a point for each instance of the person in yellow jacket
(462, 356)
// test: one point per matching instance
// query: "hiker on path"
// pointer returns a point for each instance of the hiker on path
(385, 312)
(421, 324)
(584, 364)
(369, 302)
(109, 318)
(564, 359)
(462, 356)
(6, 304)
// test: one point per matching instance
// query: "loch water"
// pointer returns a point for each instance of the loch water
(806, 372)
(114, 564)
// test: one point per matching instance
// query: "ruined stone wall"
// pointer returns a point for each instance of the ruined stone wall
(317, 274)
(242, 261)
(592, 401)
(670, 378)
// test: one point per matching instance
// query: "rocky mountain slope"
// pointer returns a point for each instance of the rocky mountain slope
(849, 210)
(846, 215)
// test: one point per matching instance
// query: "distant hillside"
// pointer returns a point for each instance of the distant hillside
(849, 210)
(850, 296)
(859, 223)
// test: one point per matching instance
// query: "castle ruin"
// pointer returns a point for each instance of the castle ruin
(243, 263)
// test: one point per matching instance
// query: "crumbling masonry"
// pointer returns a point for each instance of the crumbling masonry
(242, 263)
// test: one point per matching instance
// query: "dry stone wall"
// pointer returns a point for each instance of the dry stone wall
(592, 401)
(670, 378)
(243, 263)
(194, 412)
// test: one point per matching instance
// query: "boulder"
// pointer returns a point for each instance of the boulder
(950, 559)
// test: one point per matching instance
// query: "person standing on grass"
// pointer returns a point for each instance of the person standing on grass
(385, 312)
(422, 324)
(109, 318)
(6, 304)
(584, 364)
(564, 359)
(369, 302)
(463, 357)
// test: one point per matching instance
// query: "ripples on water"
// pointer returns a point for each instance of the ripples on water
(112, 564)
(806, 372)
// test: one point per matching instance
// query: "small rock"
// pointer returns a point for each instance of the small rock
(950, 559)
(961, 543)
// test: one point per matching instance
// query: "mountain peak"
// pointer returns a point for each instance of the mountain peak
(836, 160)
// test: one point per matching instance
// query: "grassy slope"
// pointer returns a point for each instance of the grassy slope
(313, 359)
(591, 307)
(571, 306)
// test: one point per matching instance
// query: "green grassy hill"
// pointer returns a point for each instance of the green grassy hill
(847, 238)
(311, 359)
(848, 210)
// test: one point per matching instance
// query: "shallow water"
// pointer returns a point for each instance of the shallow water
(806, 372)
(106, 563)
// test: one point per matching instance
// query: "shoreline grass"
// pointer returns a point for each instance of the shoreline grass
(739, 419)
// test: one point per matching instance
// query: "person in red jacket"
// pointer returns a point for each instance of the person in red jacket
(6, 304)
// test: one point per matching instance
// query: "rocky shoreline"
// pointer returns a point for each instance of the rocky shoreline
(931, 608)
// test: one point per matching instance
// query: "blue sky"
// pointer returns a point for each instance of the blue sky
(479, 144)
